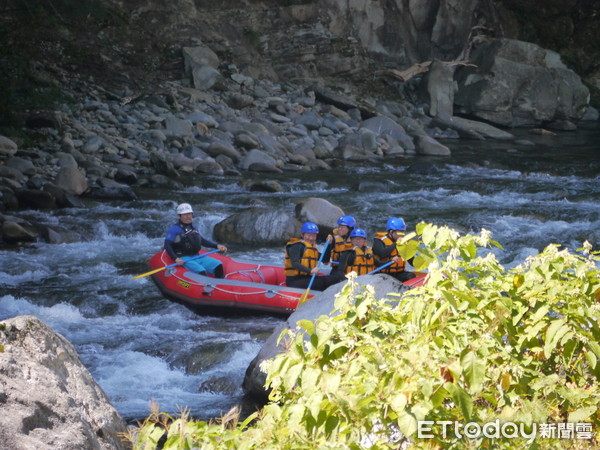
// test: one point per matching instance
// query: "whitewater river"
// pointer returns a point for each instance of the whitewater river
(140, 346)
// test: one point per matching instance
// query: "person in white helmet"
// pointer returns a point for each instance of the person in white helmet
(183, 240)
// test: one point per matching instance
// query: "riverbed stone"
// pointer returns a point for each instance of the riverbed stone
(49, 398)
(428, 146)
(71, 180)
(257, 226)
(7, 146)
(319, 211)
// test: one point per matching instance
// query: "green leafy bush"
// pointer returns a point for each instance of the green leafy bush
(478, 343)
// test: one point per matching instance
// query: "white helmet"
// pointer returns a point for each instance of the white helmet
(184, 208)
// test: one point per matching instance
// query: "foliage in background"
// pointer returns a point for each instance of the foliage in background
(478, 343)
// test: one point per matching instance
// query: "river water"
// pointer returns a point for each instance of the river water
(140, 346)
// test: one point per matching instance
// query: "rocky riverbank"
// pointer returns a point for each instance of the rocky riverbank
(217, 121)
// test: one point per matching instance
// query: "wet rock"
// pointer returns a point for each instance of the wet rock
(219, 385)
(239, 101)
(422, 168)
(257, 226)
(112, 193)
(57, 404)
(217, 148)
(13, 233)
(36, 199)
(263, 186)
(426, 145)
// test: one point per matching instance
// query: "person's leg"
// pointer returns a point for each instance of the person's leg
(404, 276)
(193, 265)
(210, 265)
(297, 281)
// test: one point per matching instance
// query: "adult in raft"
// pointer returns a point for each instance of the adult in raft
(384, 247)
(339, 241)
(359, 258)
(302, 258)
(183, 241)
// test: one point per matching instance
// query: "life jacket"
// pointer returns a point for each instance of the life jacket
(310, 257)
(188, 240)
(399, 266)
(339, 245)
(363, 262)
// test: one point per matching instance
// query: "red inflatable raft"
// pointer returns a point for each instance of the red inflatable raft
(245, 286)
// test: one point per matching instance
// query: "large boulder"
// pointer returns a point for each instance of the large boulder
(519, 84)
(48, 399)
(257, 226)
(319, 211)
(321, 304)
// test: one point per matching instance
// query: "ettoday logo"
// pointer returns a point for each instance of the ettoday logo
(428, 429)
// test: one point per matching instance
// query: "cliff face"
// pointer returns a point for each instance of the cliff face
(132, 45)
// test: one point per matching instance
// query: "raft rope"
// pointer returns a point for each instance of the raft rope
(217, 288)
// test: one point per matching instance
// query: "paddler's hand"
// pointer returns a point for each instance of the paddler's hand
(222, 248)
(314, 270)
(179, 261)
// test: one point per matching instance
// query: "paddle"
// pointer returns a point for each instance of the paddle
(173, 265)
(380, 267)
(305, 295)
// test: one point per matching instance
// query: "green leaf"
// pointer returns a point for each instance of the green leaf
(460, 397)
(581, 414)
(291, 376)
(473, 370)
(306, 325)
(428, 235)
(407, 423)
(408, 250)
(553, 334)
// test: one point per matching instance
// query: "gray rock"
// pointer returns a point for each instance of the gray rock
(258, 157)
(470, 128)
(257, 226)
(177, 127)
(207, 77)
(25, 166)
(217, 148)
(199, 56)
(13, 232)
(440, 87)
(71, 180)
(36, 199)
(321, 304)
(518, 83)
(57, 404)
(319, 211)
(239, 101)
(426, 145)
(7, 146)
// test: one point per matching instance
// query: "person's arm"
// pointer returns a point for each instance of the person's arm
(381, 250)
(169, 241)
(296, 251)
(327, 254)
(210, 244)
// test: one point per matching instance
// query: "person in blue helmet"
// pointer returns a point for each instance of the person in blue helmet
(359, 258)
(183, 240)
(339, 241)
(384, 247)
(302, 260)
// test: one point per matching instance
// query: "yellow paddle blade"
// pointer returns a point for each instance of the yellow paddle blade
(149, 273)
(304, 297)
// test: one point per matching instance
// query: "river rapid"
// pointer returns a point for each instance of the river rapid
(140, 346)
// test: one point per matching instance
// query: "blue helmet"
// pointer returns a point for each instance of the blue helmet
(396, 223)
(358, 232)
(309, 227)
(348, 221)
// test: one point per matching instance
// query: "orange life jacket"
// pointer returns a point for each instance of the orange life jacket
(364, 261)
(399, 266)
(310, 257)
(339, 245)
